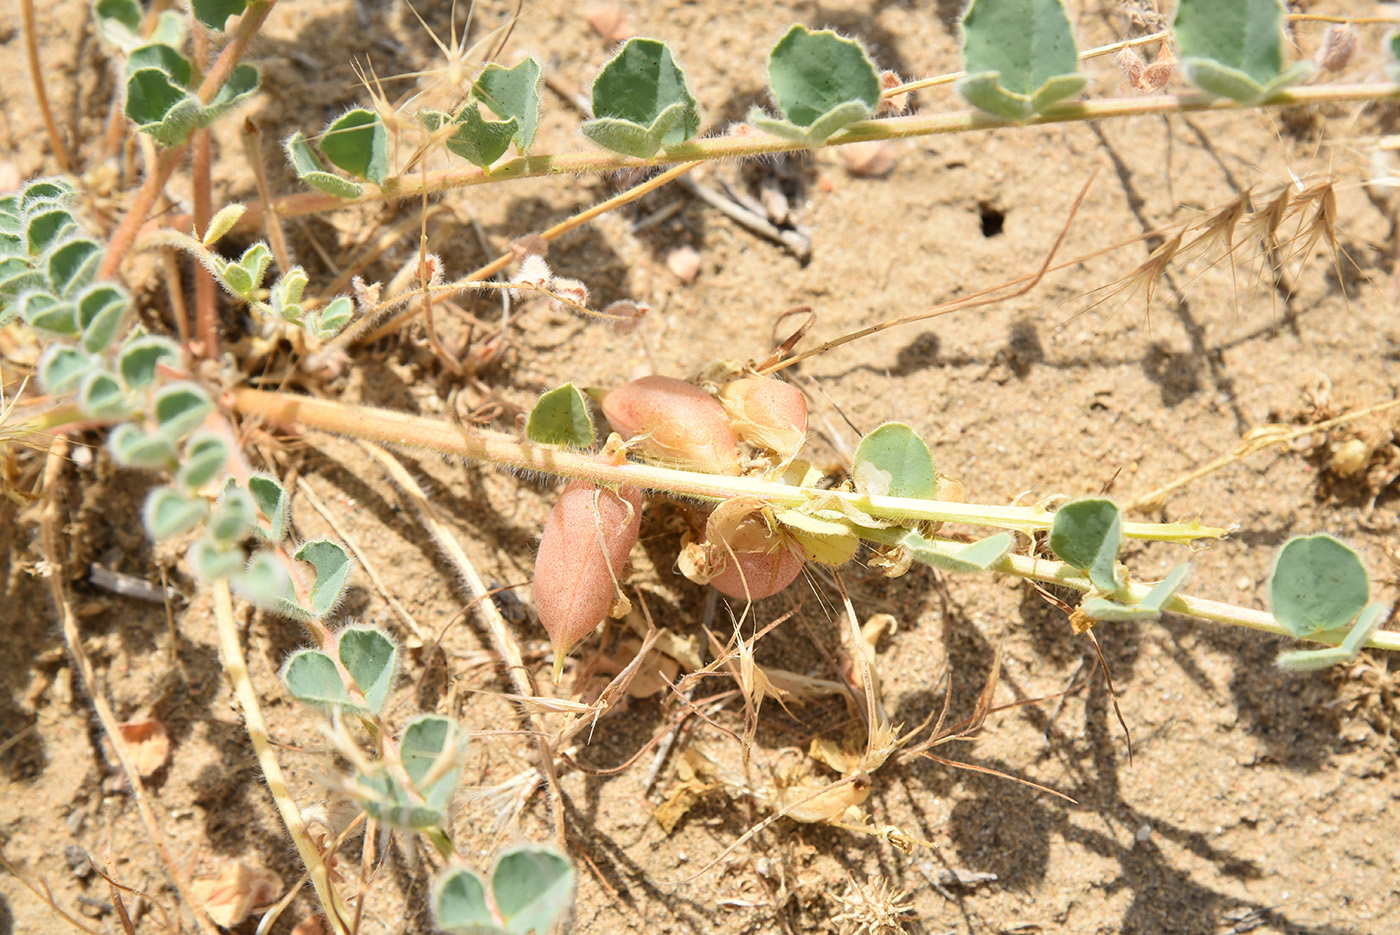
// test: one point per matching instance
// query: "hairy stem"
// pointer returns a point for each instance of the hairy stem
(762, 144)
(506, 451)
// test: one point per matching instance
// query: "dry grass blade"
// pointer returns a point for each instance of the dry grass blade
(496, 626)
(41, 889)
(57, 578)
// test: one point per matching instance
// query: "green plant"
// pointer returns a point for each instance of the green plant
(736, 448)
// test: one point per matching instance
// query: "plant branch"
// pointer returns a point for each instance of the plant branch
(1050, 571)
(119, 244)
(761, 144)
(41, 94)
(501, 450)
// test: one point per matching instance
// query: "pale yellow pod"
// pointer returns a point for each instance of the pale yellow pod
(767, 413)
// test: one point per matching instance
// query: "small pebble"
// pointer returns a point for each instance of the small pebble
(684, 262)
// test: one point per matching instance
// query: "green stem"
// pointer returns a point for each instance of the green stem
(762, 144)
(1058, 573)
(397, 428)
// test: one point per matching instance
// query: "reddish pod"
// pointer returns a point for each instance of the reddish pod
(583, 552)
(675, 422)
(767, 413)
(754, 559)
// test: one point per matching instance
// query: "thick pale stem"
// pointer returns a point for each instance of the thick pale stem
(398, 428)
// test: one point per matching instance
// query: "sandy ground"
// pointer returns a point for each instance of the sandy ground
(1253, 800)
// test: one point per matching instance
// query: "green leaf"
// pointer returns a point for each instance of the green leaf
(561, 418)
(234, 517)
(813, 74)
(312, 678)
(271, 499)
(285, 298)
(204, 458)
(1392, 67)
(424, 741)
(180, 407)
(50, 188)
(132, 447)
(118, 22)
(333, 318)
(241, 85)
(459, 904)
(43, 229)
(893, 461)
(478, 140)
(101, 396)
(641, 101)
(1020, 56)
(533, 887)
(99, 311)
(222, 222)
(1312, 659)
(513, 93)
(14, 282)
(164, 58)
(979, 556)
(72, 265)
(62, 368)
(168, 513)
(372, 660)
(266, 583)
(1235, 49)
(356, 143)
(1317, 584)
(310, 170)
(138, 358)
(215, 13)
(211, 563)
(1087, 534)
(333, 567)
(159, 107)
(244, 277)
(42, 310)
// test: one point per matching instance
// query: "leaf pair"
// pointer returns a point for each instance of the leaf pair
(355, 142)
(1234, 48)
(822, 82)
(266, 582)
(531, 889)
(512, 94)
(641, 101)
(369, 657)
(160, 98)
(1319, 586)
(1020, 57)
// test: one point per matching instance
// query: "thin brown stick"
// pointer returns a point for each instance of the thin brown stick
(206, 308)
(947, 308)
(553, 233)
(41, 94)
(58, 591)
(272, 223)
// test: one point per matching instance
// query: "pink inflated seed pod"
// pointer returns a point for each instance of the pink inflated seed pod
(676, 423)
(583, 552)
(767, 413)
(753, 558)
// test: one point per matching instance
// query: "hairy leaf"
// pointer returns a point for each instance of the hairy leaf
(1317, 584)
(561, 417)
(1087, 534)
(356, 142)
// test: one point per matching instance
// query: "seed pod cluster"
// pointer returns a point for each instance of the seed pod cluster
(675, 423)
(583, 554)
